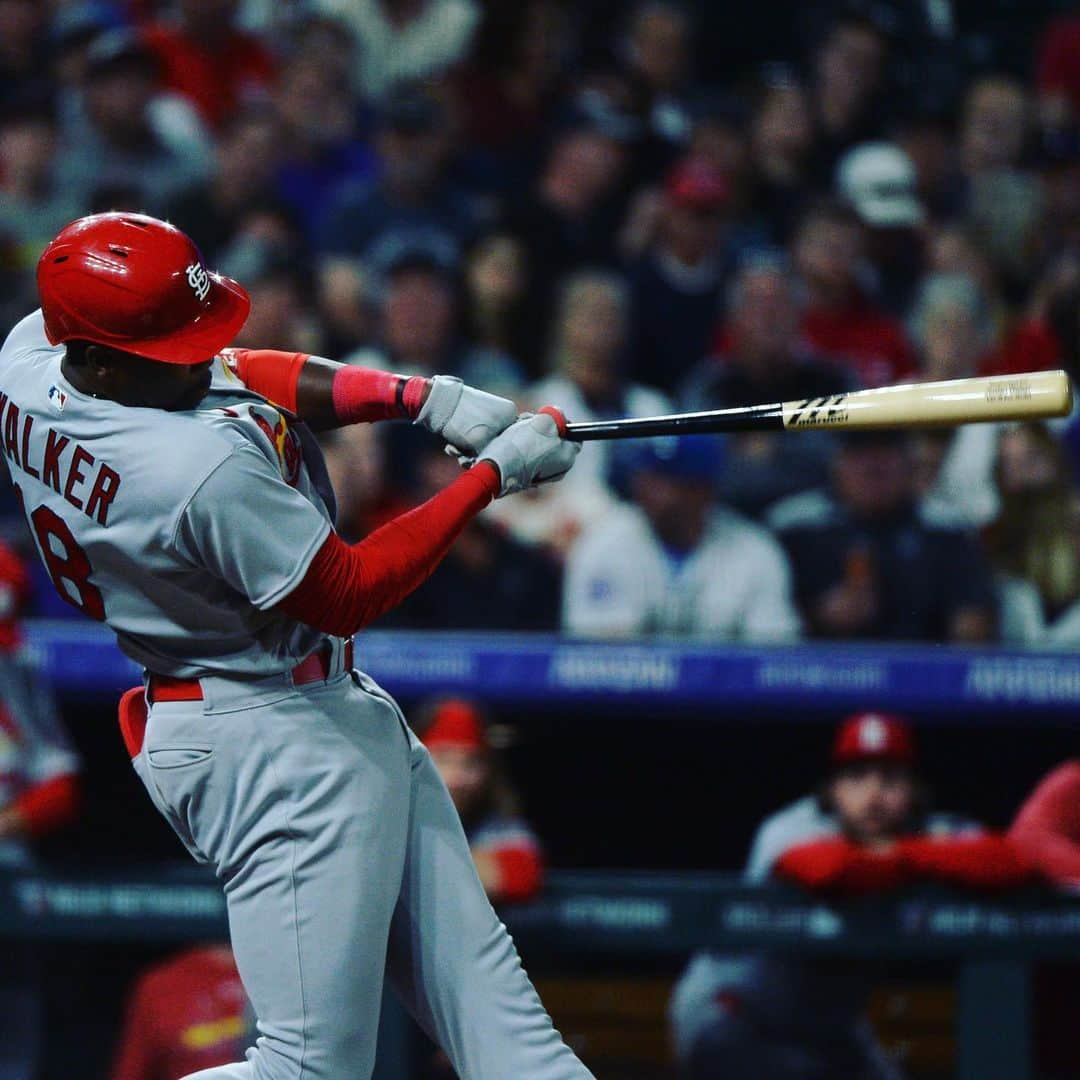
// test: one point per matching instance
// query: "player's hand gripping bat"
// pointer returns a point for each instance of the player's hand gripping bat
(1033, 396)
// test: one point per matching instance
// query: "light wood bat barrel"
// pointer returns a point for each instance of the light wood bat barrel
(1039, 395)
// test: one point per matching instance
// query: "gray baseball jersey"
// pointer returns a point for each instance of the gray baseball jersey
(341, 855)
(174, 528)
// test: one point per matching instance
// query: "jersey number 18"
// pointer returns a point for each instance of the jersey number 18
(67, 563)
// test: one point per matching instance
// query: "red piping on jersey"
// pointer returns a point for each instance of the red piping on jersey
(49, 805)
(346, 587)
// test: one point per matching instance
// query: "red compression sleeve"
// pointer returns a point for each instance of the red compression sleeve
(521, 871)
(984, 861)
(345, 588)
(269, 372)
(836, 864)
(364, 394)
(48, 805)
(1046, 831)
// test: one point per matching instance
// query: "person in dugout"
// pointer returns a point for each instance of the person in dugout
(868, 828)
(505, 850)
(187, 1013)
(39, 794)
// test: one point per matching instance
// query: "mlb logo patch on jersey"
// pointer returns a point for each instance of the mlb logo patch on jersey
(57, 398)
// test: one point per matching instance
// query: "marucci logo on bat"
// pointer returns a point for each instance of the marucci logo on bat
(819, 412)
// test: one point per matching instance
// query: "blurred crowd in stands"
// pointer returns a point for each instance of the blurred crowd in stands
(624, 209)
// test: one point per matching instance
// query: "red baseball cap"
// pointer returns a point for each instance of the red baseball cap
(138, 284)
(697, 185)
(457, 723)
(874, 736)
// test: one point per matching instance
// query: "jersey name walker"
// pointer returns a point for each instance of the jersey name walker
(180, 530)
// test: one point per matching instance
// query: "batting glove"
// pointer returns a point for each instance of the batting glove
(531, 452)
(468, 419)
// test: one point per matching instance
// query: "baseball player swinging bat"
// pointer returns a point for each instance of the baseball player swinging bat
(1032, 396)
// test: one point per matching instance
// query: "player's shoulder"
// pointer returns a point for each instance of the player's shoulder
(796, 823)
(803, 815)
(26, 341)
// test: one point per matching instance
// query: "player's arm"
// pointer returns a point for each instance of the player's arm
(326, 394)
(276, 549)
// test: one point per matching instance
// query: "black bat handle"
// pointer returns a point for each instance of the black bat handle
(753, 418)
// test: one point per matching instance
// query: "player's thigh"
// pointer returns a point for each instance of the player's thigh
(302, 806)
(452, 961)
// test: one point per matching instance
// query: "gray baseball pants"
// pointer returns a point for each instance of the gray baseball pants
(342, 859)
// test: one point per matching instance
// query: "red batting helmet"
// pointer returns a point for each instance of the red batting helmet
(134, 283)
(873, 736)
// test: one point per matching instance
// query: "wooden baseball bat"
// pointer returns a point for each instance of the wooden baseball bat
(1031, 396)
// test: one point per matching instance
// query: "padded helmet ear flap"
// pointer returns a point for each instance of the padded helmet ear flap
(135, 283)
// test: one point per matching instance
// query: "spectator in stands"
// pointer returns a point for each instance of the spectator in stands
(867, 565)
(31, 209)
(952, 328)
(567, 222)
(589, 379)
(676, 284)
(496, 313)
(488, 580)
(994, 126)
(24, 59)
(410, 201)
(124, 138)
(1003, 203)
(868, 829)
(203, 56)
(781, 141)
(879, 182)
(184, 1014)
(417, 323)
(324, 153)
(247, 156)
(848, 79)
(400, 42)
(761, 358)
(415, 320)
(1034, 543)
(1058, 74)
(346, 302)
(840, 318)
(38, 794)
(951, 325)
(509, 88)
(266, 255)
(676, 561)
(505, 849)
(657, 68)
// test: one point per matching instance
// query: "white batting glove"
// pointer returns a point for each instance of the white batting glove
(467, 418)
(531, 452)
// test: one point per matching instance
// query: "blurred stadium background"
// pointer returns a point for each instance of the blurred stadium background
(621, 208)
